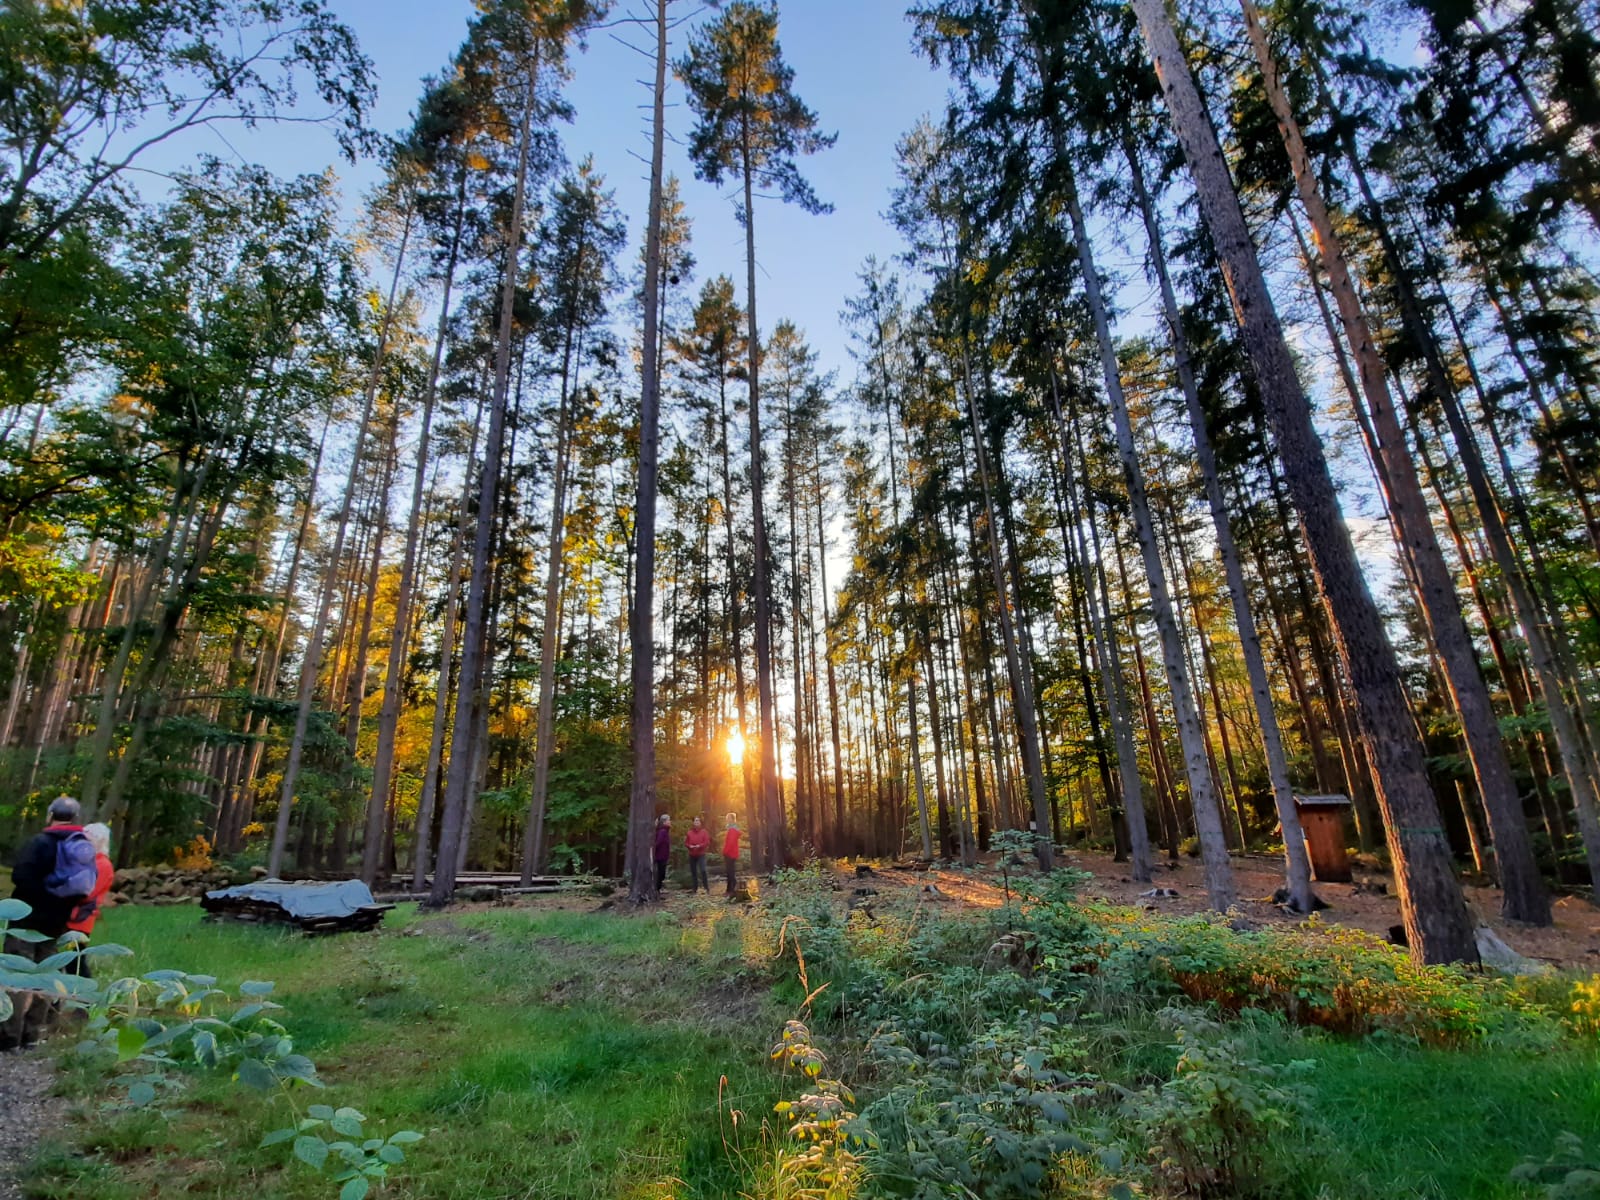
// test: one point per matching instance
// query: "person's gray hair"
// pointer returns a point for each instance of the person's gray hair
(64, 808)
(99, 836)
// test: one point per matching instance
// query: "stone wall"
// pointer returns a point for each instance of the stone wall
(174, 885)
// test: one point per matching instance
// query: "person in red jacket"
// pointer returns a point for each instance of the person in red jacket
(730, 853)
(697, 841)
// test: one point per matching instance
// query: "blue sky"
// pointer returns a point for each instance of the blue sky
(853, 65)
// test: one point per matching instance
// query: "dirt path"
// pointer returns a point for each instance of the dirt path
(30, 1111)
(1368, 902)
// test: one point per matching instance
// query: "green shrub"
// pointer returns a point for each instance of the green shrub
(1583, 1010)
(1342, 980)
(1206, 1128)
(994, 1117)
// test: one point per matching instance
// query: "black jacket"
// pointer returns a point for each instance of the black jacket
(33, 866)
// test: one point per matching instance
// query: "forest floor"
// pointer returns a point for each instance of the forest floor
(1367, 903)
(568, 1047)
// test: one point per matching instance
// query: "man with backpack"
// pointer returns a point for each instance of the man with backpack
(54, 874)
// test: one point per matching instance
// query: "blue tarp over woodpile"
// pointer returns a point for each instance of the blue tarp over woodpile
(315, 907)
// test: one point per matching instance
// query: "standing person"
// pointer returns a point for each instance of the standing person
(54, 874)
(85, 915)
(663, 851)
(697, 841)
(730, 853)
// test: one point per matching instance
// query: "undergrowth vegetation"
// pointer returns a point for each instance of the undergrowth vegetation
(1051, 1048)
(827, 1043)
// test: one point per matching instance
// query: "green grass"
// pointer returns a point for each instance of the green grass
(1407, 1121)
(543, 1054)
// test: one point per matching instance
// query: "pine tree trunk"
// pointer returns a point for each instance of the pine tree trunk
(1512, 674)
(389, 716)
(358, 676)
(1103, 628)
(916, 766)
(936, 728)
(774, 835)
(1022, 694)
(1432, 908)
(1081, 618)
(330, 581)
(533, 842)
(1525, 898)
(805, 829)
(833, 685)
(642, 796)
(475, 634)
(428, 802)
(1297, 865)
(1220, 889)
(735, 621)
(952, 645)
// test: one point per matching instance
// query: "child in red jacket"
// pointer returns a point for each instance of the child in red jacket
(85, 915)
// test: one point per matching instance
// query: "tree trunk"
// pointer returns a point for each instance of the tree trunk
(1022, 695)
(356, 686)
(474, 635)
(1525, 898)
(1220, 887)
(330, 580)
(642, 798)
(389, 716)
(428, 801)
(1297, 865)
(1432, 908)
(774, 836)
(1103, 628)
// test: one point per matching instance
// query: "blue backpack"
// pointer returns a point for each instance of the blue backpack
(75, 874)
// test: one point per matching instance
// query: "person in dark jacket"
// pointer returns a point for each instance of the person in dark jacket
(663, 849)
(32, 1013)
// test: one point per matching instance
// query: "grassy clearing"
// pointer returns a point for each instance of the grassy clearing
(542, 1053)
(1407, 1121)
(1057, 1050)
